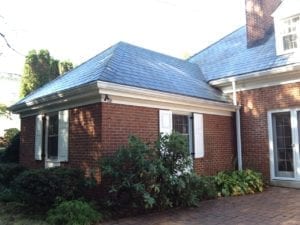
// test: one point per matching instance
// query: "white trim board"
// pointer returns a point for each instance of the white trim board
(122, 94)
(273, 77)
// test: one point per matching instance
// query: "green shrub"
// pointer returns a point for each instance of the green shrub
(178, 184)
(8, 172)
(239, 182)
(11, 153)
(208, 188)
(10, 134)
(74, 212)
(132, 174)
(8, 195)
(41, 187)
(144, 177)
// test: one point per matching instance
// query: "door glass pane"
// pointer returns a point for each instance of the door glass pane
(282, 139)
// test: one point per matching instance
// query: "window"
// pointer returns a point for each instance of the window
(51, 137)
(189, 126)
(287, 34)
(181, 125)
(290, 32)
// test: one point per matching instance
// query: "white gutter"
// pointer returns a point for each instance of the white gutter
(238, 128)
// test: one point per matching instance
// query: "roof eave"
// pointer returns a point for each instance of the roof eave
(63, 99)
(120, 94)
(151, 98)
(264, 78)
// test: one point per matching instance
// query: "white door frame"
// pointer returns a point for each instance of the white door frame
(295, 143)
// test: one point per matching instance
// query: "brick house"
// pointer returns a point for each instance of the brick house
(260, 66)
(238, 99)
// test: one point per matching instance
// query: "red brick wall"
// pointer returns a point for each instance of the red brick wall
(85, 138)
(100, 129)
(94, 130)
(219, 145)
(27, 143)
(120, 121)
(258, 19)
(254, 125)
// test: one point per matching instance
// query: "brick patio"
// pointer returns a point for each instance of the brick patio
(273, 206)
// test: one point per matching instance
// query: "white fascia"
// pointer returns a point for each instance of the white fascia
(267, 78)
(75, 97)
(120, 94)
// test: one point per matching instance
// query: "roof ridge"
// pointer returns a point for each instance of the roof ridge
(214, 43)
(150, 50)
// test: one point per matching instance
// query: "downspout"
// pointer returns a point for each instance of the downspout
(238, 127)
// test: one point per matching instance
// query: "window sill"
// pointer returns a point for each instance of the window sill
(50, 163)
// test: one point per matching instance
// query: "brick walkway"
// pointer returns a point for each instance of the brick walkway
(273, 206)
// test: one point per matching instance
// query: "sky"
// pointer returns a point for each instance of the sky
(79, 29)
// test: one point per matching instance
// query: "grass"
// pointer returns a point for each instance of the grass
(15, 214)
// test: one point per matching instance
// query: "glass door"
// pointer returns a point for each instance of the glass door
(282, 145)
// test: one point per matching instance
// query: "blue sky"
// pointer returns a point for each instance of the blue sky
(77, 30)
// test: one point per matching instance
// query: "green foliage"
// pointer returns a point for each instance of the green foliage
(11, 153)
(39, 69)
(174, 154)
(178, 184)
(133, 173)
(3, 110)
(8, 172)
(239, 182)
(8, 195)
(206, 188)
(10, 134)
(74, 212)
(41, 187)
(65, 66)
(144, 177)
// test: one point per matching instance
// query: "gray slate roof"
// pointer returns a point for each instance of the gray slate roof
(130, 65)
(231, 57)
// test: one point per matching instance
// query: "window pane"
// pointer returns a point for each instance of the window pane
(181, 125)
(290, 41)
(53, 136)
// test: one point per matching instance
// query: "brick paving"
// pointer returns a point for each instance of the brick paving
(273, 206)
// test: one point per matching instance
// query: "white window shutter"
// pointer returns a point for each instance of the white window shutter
(198, 135)
(38, 137)
(165, 122)
(63, 135)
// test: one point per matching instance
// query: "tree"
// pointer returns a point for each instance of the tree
(65, 66)
(3, 110)
(39, 69)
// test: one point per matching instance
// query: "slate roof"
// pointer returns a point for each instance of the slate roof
(231, 57)
(130, 65)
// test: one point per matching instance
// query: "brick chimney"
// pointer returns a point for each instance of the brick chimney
(259, 21)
